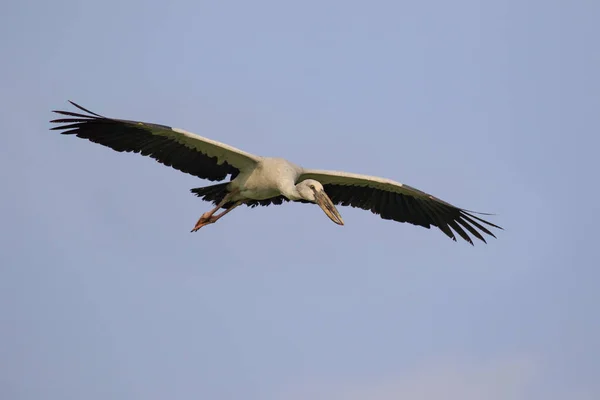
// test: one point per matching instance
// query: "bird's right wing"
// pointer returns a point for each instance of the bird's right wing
(398, 202)
(184, 151)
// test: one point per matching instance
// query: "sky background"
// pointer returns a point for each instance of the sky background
(492, 106)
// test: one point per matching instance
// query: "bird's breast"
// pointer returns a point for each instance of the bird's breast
(266, 179)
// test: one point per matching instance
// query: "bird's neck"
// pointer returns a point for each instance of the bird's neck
(290, 191)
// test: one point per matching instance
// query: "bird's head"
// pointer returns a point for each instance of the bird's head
(312, 190)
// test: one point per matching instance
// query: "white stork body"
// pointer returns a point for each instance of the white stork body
(269, 178)
(256, 180)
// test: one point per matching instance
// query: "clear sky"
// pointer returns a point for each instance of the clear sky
(492, 106)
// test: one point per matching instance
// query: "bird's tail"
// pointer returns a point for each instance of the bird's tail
(213, 193)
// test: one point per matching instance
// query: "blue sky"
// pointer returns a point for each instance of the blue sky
(492, 106)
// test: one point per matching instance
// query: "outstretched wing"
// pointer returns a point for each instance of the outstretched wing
(184, 151)
(399, 202)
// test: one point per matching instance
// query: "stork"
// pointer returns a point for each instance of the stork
(256, 180)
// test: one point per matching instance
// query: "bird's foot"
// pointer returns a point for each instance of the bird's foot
(203, 221)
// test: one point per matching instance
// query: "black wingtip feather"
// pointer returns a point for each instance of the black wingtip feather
(471, 229)
(85, 109)
(74, 114)
(486, 222)
(460, 231)
(467, 218)
(141, 137)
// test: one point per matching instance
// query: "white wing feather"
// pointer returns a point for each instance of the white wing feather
(212, 148)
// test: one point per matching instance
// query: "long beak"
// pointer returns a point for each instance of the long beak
(327, 206)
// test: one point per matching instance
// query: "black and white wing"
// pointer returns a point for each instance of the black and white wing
(184, 151)
(396, 201)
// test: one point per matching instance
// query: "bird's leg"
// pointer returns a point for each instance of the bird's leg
(209, 217)
(203, 221)
(215, 218)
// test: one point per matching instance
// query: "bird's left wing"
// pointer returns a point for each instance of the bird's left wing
(184, 151)
(398, 202)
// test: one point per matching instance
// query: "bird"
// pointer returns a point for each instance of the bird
(263, 181)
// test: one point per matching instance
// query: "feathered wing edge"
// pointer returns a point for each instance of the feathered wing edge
(424, 212)
(402, 203)
(172, 147)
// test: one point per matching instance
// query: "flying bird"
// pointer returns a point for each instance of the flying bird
(262, 181)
